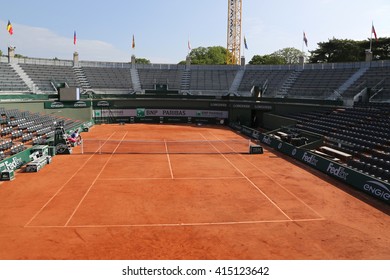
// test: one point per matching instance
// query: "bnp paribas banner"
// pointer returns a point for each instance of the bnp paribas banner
(142, 112)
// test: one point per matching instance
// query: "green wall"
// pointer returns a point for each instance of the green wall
(82, 114)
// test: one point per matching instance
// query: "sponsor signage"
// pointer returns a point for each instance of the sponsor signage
(243, 106)
(375, 188)
(60, 105)
(262, 107)
(218, 105)
(15, 161)
(142, 112)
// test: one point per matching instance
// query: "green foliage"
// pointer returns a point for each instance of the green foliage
(208, 56)
(142, 61)
(280, 57)
(1, 53)
(268, 59)
(336, 50)
(20, 56)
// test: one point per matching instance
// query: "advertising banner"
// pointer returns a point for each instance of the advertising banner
(363, 182)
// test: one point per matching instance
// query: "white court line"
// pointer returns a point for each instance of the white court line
(169, 159)
(63, 186)
(276, 182)
(249, 180)
(187, 224)
(94, 181)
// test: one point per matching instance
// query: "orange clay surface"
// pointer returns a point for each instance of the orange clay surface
(185, 206)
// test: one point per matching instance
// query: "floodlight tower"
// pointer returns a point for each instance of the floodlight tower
(234, 31)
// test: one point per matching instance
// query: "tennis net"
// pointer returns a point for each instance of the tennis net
(96, 146)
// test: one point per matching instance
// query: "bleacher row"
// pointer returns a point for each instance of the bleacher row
(22, 129)
(286, 82)
(360, 136)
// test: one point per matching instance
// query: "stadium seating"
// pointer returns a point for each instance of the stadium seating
(208, 80)
(44, 75)
(10, 81)
(273, 79)
(377, 79)
(312, 81)
(150, 77)
(363, 132)
(22, 129)
(319, 83)
(108, 78)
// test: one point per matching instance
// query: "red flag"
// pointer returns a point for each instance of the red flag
(133, 43)
(74, 38)
(374, 32)
(9, 28)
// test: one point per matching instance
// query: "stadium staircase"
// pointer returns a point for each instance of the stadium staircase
(237, 81)
(135, 80)
(81, 78)
(283, 91)
(185, 81)
(352, 80)
(26, 79)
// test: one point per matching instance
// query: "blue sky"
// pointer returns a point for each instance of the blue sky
(162, 28)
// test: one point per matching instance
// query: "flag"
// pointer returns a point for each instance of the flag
(74, 38)
(189, 45)
(245, 44)
(304, 38)
(374, 32)
(9, 28)
(133, 43)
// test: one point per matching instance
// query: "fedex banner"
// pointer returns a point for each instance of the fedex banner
(370, 185)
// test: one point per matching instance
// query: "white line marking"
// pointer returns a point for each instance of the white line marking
(176, 178)
(187, 224)
(250, 181)
(276, 182)
(169, 159)
(63, 186)
(94, 181)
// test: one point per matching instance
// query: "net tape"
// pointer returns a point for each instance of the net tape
(97, 146)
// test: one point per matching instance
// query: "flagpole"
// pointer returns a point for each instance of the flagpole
(372, 24)
(188, 46)
(243, 53)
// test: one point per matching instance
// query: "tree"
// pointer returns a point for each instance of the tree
(1, 53)
(142, 61)
(289, 55)
(336, 50)
(268, 59)
(208, 56)
(283, 56)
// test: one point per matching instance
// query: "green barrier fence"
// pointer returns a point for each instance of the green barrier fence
(16, 161)
(372, 186)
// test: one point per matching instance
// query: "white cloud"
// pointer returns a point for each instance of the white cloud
(43, 43)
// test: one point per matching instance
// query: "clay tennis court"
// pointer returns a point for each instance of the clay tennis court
(190, 203)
